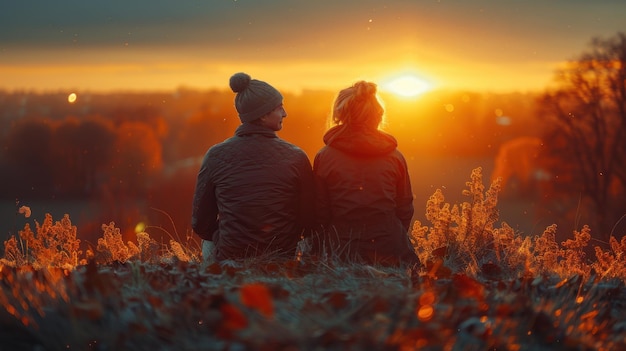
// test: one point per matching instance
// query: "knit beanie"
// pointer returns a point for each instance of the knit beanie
(254, 98)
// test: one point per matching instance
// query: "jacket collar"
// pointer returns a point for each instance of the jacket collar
(250, 129)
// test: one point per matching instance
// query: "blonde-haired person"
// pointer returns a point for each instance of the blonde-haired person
(364, 196)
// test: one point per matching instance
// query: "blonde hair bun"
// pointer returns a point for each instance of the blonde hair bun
(364, 89)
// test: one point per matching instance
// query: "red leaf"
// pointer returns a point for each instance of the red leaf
(155, 301)
(337, 299)
(233, 319)
(257, 296)
(436, 269)
(214, 268)
(468, 287)
(294, 268)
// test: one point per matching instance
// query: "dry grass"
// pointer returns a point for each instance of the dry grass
(483, 287)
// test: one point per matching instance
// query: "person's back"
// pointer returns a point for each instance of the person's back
(365, 201)
(362, 177)
(254, 194)
(257, 178)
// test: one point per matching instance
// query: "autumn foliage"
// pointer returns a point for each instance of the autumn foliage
(482, 286)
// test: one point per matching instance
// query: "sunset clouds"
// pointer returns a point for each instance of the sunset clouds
(158, 45)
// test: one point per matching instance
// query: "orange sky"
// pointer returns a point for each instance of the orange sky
(294, 45)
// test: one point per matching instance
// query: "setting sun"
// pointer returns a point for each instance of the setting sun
(406, 85)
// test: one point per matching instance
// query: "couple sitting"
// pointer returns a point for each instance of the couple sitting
(258, 194)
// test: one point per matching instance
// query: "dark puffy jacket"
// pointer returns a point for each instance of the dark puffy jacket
(364, 195)
(254, 195)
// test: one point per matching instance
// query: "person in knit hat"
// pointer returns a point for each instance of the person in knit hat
(364, 196)
(254, 192)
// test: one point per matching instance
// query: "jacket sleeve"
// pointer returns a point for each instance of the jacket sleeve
(306, 210)
(404, 202)
(322, 200)
(204, 213)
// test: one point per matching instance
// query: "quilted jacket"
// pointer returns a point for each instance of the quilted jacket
(364, 196)
(254, 195)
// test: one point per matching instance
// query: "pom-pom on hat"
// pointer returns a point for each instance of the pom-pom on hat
(254, 98)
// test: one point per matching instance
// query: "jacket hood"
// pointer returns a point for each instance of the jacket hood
(360, 141)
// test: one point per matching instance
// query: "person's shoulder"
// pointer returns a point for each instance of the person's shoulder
(225, 143)
(220, 148)
(327, 151)
(326, 148)
(289, 146)
(323, 151)
(397, 154)
(292, 152)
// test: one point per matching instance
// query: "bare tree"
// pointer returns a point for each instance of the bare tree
(585, 139)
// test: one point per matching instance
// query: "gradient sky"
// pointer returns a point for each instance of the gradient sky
(494, 45)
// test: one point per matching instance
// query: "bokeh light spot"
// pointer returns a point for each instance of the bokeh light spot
(425, 313)
(140, 227)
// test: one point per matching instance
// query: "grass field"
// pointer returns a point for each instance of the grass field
(483, 286)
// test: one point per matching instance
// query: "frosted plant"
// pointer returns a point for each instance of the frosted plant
(53, 244)
(178, 251)
(147, 246)
(612, 263)
(574, 262)
(111, 246)
(25, 210)
(546, 251)
(464, 234)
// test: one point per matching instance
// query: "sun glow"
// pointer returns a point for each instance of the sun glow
(406, 85)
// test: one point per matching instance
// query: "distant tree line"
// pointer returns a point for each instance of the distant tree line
(143, 145)
(147, 145)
